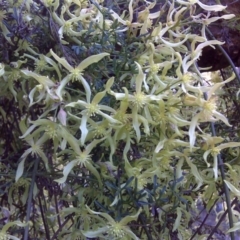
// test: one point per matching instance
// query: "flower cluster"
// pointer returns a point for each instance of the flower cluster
(117, 112)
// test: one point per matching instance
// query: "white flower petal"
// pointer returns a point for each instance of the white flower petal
(214, 8)
(191, 132)
(83, 128)
(67, 169)
(96, 233)
(232, 188)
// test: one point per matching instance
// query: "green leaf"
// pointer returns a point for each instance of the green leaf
(178, 219)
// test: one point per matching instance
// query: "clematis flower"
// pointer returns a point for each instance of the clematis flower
(44, 81)
(138, 101)
(48, 130)
(153, 70)
(113, 230)
(83, 159)
(215, 8)
(35, 150)
(171, 22)
(51, 3)
(57, 132)
(75, 73)
(206, 20)
(207, 113)
(67, 26)
(196, 52)
(42, 62)
(146, 17)
(45, 88)
(214, 151)
(208, 108)
(128, 23)
(92, 108)
(25, 46)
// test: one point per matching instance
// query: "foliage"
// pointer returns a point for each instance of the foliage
(105, 119)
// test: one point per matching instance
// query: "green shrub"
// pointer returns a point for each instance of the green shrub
(105, 119)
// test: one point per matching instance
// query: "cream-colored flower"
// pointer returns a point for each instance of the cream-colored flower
(215, 8)
(75, 73)
(215, 151)
(92, 108)
(113, 230)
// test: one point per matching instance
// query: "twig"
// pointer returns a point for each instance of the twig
(43, 218)
(225, 188)
(30, 196)
(221, 219)
(204, 220)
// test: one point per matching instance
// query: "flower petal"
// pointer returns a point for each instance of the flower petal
(86, 87)
(191, 132)
(228, 145)
(72, 141)
(105, 215)
(83, 128)
(45, 81)
(94, 171)
(195, 173)
(232, 188)
(136, 124)
(67, 169)
(139, 78)
(221, 117)
(215, 8)
(63, 61)
(96, 233)
(130, 218)
(215, 167)
(205, 155)
(90, 60)
(131, 234)
(20, 167)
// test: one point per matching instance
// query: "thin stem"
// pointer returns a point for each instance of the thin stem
(30, 196)
(220, 220)
(60, 229)
(43, 218)
(57, 211)
(145, 228)
(204, 220)
(226, 190)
